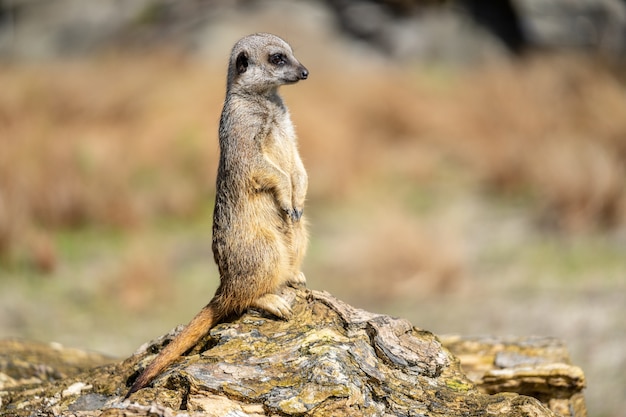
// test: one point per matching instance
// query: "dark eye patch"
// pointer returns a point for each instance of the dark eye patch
(278, 59)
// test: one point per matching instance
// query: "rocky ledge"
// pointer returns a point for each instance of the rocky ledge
(330, 359)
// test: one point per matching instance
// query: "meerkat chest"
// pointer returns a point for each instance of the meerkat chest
(280, 143)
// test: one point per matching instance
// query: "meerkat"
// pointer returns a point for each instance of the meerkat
(259, 232)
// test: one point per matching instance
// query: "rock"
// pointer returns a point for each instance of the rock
(34, 363)
(537, 367)
(584, 24)
(330, 359)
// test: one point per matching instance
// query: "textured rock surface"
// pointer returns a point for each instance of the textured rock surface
(35, 363)
(330, 359)
(537, 367)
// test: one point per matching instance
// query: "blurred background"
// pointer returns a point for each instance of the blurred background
(467, 164)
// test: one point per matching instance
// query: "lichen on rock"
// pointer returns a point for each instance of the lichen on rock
(329, 359)
(539, 367)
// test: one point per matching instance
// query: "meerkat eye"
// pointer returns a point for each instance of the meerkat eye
(278, 59)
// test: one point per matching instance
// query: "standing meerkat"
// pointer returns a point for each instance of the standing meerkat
(259, 234)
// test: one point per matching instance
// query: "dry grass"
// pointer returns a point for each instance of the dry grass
(141, 281)
(552, 127)
(106, 142)
(393, 256)
(121, 141)
(557, 128)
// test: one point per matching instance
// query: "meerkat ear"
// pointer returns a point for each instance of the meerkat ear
(242, 62)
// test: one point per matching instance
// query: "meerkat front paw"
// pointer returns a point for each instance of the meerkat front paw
(296, 214)
(292, 213)
(274, 304)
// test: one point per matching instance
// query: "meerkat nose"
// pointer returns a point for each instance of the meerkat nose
(304, 73)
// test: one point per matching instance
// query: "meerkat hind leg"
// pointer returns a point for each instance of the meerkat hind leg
(297, 279)
(274, 304)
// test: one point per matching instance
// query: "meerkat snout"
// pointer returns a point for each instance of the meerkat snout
(286, 67)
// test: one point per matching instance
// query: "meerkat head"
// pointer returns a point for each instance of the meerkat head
(261, 63)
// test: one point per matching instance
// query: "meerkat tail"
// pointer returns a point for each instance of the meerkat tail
(191, 334)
